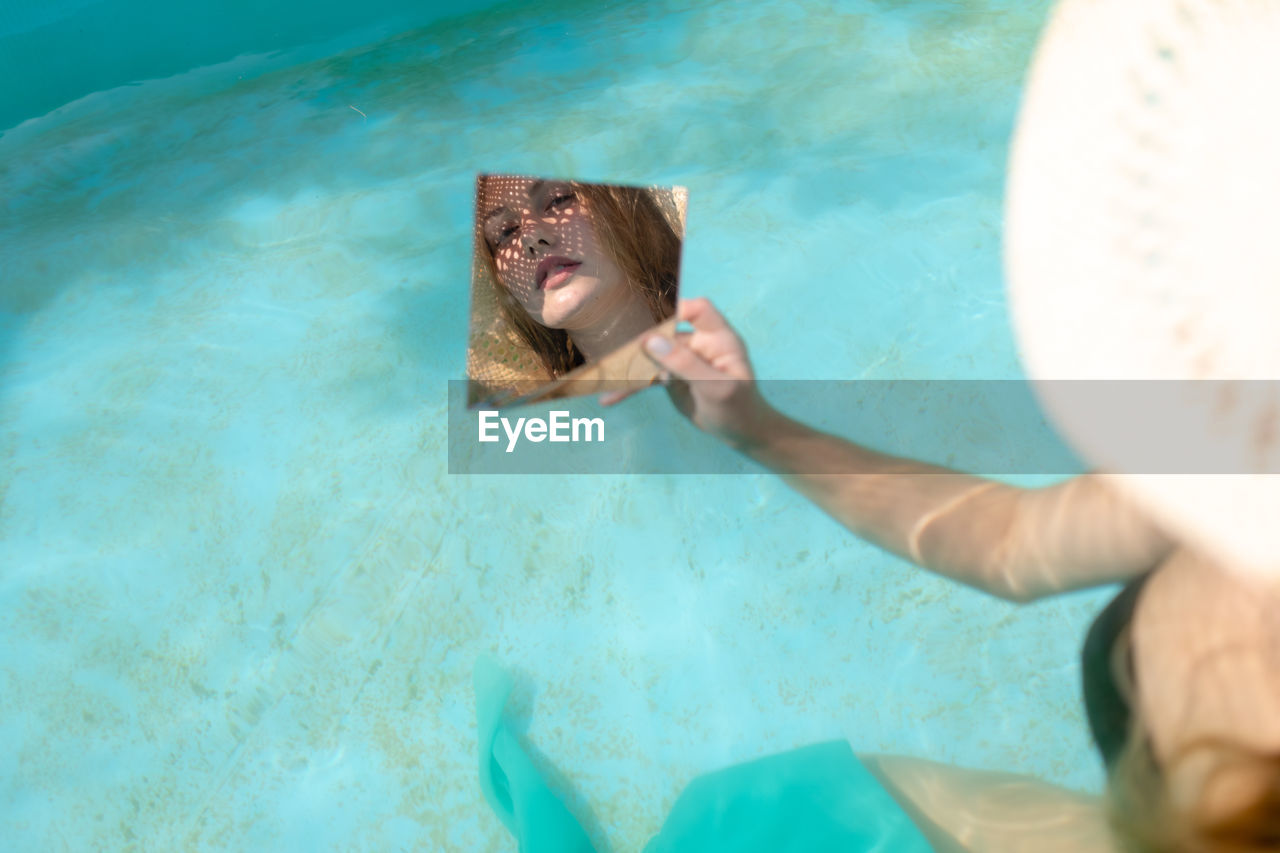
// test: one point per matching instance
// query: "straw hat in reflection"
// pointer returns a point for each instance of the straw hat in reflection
(1140, 245)
(499, 363)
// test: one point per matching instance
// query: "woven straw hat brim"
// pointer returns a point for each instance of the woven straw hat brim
(1140, 245)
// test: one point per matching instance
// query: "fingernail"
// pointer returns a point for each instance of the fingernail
(658, 345)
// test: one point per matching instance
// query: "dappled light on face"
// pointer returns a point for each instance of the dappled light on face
(543, 243)
(524, 220)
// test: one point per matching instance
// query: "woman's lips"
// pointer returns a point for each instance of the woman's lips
(553, 272)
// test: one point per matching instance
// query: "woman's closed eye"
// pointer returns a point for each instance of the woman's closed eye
(503, 232)
(560, 199)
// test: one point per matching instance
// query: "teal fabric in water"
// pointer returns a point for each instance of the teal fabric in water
(817, 799)
(511, 784)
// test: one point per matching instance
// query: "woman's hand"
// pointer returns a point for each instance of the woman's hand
(711, 381)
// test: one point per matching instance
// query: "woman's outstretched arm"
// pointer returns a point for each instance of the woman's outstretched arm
(1019, 544)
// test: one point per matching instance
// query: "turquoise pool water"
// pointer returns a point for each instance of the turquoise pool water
(240, 595)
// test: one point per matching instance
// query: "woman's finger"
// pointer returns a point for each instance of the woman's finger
(714, 340)
(676, 357)
(701, 314)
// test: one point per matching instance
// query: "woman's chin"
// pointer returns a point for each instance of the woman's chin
(561, 310)
(555, 321)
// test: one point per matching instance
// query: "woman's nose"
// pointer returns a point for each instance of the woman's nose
(536, 235)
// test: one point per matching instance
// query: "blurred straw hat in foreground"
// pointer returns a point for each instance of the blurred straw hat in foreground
(1140, 244)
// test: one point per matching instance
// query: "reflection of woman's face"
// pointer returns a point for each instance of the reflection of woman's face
(547, 254)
